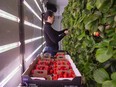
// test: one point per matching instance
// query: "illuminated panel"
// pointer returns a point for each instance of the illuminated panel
(38, 5)
(12, 74)
(33, 39)
(44, 8)
(29, 57)
(9, 46)
(9, 16)
(30, 8)
(32, 25)
(6, 79)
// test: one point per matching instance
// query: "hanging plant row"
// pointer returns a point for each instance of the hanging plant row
(92, 40)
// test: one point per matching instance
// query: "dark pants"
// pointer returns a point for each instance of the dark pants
(50, 50)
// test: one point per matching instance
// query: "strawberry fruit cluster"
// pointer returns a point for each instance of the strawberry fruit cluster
(56, 68)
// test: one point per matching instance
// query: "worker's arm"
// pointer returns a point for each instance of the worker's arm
(60, 32)
(51, 34)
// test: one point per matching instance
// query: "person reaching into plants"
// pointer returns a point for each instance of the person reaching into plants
(52, 37)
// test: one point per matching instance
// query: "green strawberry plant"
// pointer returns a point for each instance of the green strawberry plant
(91, 51)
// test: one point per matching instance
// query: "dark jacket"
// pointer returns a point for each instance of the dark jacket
(52, 37)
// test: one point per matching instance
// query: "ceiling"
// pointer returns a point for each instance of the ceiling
(60, 6)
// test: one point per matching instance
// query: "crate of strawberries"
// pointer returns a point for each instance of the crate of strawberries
(57, 71)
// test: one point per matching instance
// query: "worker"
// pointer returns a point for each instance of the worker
(52, 37)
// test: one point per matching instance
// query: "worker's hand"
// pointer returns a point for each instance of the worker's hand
(66, 32)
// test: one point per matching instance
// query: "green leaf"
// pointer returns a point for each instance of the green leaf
(104, 43)
(110, 20)
(91, 21)
(81, 36)
(114, 54)
(113, 43)
(110, 32)
(82, 17)
(101, 28)
(99, 3)
(104, 5)
(115, 18)
(109, 84)
(90, 18)
(89, 5)
(112, 11)
(92, 26)
(103, 54)
(113, 66)
(84, 44)
(80, 25)
(103, 20)
(100, 75)
(113, 76)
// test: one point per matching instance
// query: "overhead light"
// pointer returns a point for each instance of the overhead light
(44, 8)
(9, 16)
(18, 20)
(29, 57)
(6, 79)
(32, 25)
(38, 5)
(30, 8)
(33, 39)
(9, 46)
(44, 1)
